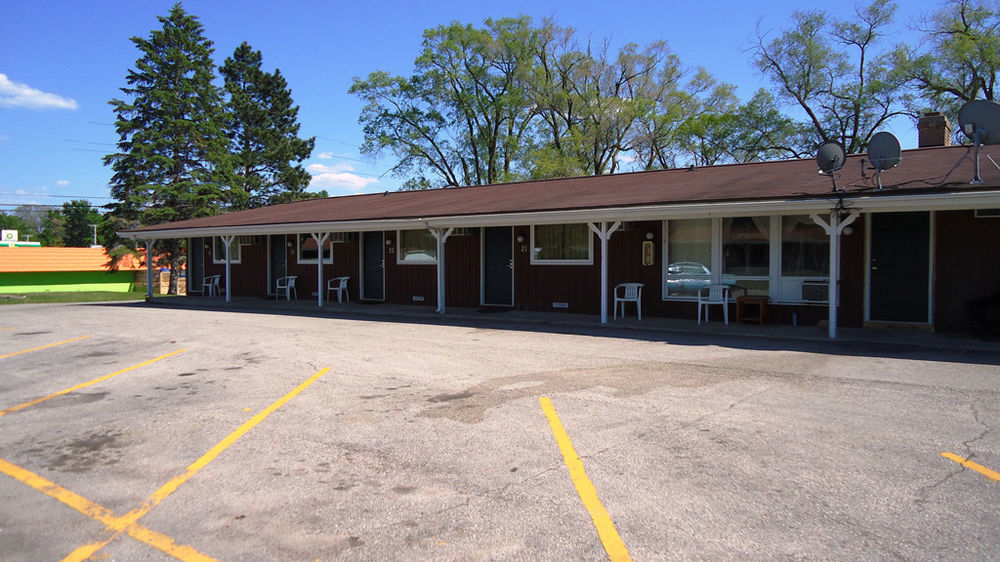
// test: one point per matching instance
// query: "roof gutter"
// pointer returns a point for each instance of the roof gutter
(867, 203)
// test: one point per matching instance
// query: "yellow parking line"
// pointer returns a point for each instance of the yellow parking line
(101, 513)
(170, 487)
(992, 475)
(44, 347)
(612, 541)
(86, 384)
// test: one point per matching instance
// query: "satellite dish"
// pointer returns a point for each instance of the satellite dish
(830, 157)
(883, 152)
(980, 121)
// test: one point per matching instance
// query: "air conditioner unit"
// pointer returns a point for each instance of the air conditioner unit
(816, 290)
(8, 235)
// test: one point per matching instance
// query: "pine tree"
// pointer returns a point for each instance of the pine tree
(172, 147)
(263, 134)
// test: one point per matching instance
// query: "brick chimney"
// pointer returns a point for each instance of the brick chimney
(933, 129)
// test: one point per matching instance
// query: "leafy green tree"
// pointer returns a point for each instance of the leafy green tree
(833, 71)
(959, 60)
(12, 220)
(78, 218)
(263, 131)
(463, 117)
(172, 149)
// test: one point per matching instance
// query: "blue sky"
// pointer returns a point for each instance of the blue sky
(62, 61)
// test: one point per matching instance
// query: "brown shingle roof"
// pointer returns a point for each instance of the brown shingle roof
(926, 170)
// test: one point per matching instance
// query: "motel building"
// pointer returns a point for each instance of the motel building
(921, 251)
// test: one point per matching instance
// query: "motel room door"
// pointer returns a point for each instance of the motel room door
(277, 265)
(373, 266)
(196, 265)
(498, 266)
(899, 267)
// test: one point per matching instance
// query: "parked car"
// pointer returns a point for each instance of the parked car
(684, 278)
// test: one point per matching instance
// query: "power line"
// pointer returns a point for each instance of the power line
(54, 195)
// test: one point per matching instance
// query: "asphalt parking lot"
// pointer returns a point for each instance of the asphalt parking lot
(129, 432)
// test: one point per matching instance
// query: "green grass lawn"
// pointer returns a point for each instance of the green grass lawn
(90, 296)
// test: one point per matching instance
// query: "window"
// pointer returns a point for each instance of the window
(805, 248)
(219, 251)
(562, 244)
(689, 256)
(308, 250)
(746, 253)
(416, 246)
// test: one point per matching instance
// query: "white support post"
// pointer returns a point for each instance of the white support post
(320, 239)
(604, 233)
(834, 229)
(228, 242)
(441, 236)
(149, 269)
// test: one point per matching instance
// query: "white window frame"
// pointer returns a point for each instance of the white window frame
(219, 251)
(400, 260)
(779, 287)
(590, 248)
(298, 251)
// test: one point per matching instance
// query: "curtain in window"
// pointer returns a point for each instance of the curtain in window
(562, 242)
(805, 248)
(417, 246)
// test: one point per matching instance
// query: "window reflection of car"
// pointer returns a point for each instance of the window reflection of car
(684, 278)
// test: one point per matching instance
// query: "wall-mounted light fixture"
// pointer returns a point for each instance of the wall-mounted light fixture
(848, 231)
(650, 235)
(520, 238)
(388, 241)
(290, 244)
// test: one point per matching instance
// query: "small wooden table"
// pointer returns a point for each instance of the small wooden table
(761, 303)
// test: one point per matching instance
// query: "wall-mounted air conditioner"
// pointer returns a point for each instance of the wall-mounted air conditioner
(816, 290)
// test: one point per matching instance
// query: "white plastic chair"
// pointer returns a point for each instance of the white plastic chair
(717, 294)
(210, 286)
(286, 284)
(632, 293)
(338, 284)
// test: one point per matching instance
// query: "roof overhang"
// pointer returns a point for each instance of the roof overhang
(878, 202)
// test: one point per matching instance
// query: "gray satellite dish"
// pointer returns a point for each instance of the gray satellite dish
(980, 121)
(830, 157)
(883, 152)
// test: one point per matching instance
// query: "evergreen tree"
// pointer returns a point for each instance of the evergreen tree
(263, 134)
(172, 150)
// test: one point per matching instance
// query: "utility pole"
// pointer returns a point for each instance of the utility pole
(95, 233)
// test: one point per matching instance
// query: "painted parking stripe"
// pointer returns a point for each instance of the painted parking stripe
(612, 541)
(86, 384)
(170, 487)
(100, 513)
(992, 475)
(44, 346)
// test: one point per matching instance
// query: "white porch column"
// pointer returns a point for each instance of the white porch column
(834, 229)
(441, 235)
(149, 269)
(604, 233)
(320, 239)
(228, 242)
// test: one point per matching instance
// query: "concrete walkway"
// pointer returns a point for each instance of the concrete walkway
(555, 320)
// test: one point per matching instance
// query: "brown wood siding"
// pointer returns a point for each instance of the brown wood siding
(249, 276)
(967, 265)
(462, 270)
(345, 263)
(536, 287)
(403, 282)
(851, 312)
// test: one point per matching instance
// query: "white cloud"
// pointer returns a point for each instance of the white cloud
(62, 183)
(15, 94)
(334, 169)
(324, 155)
(338, 176)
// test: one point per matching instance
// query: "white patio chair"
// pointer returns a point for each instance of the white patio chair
(286, 284)
(631, 292)
(338, 284)
(716, 294)
(210, 286)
